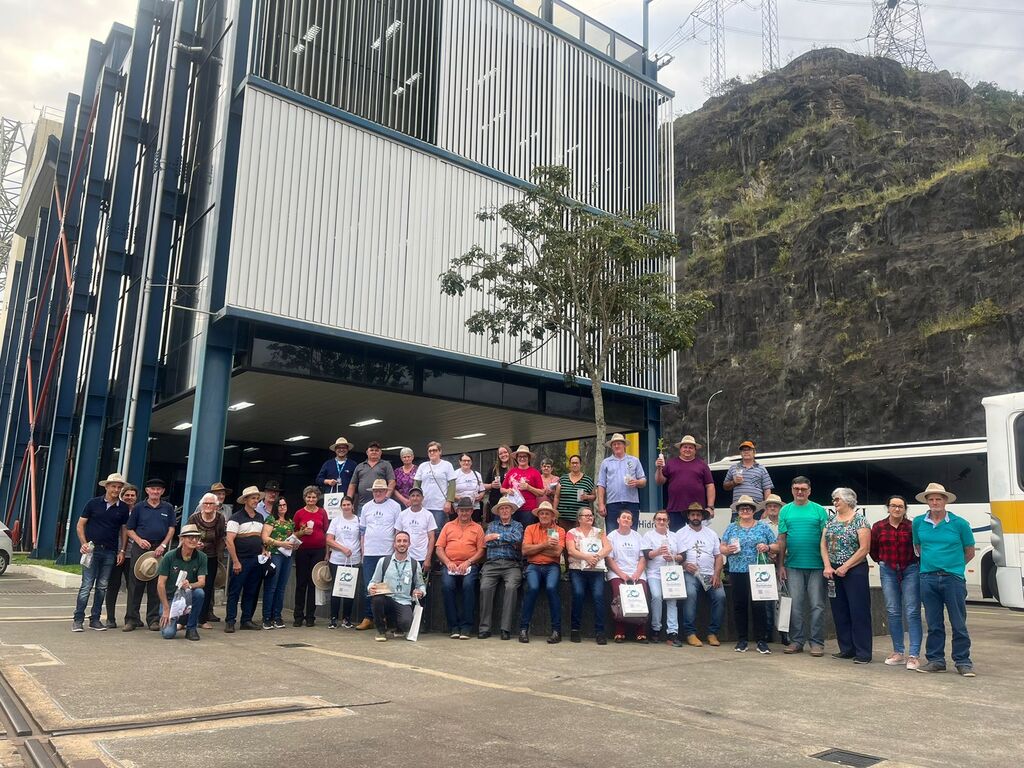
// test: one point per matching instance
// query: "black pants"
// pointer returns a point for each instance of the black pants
(118, 574)
(851, 612)
(136, 589)
(338, 603)
(389, 613)
(305, 592)
(740, 583)
(211, 586)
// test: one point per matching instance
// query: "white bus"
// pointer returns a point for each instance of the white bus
(1004, 422)
(877, 472)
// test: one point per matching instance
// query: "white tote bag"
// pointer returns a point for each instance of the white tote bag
(782, 611)
(516, 497)
(332, 504)
(345, 581)
(414, 628)
(763, 585)
(673, 583)
(633, 601)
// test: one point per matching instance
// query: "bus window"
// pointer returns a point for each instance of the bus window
(965, 475)
(1018, 448)
(968, 477)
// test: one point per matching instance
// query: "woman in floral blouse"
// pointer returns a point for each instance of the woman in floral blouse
(742, 542)
(845, 543)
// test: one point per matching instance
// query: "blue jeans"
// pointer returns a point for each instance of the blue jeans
(198, 598)
(902, 591)
(944, 591)
(98, 575)
(806, 585)
(614, 507)
(694, 587)
(274, 587)
(440, 518)
(548, 576)
(669, 607)
(461, 614)
(246, 585)
(582, 583)
(369, 566)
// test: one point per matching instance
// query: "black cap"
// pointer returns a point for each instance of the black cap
(415, 490)
(272, 485)
(155, 482)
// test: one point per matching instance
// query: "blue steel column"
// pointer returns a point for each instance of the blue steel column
(97, 382)
(650, 495)
(166, 214)
(10, 407)
(52, 509)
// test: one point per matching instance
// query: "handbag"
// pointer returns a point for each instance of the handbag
(332, 504)
(345, 579)
(783, 610)
(763, 583)
(673, 583)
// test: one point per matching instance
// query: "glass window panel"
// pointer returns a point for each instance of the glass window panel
(533, 6)
(393, 375)
(560, 404)
(628, 53)
(567, 20)
(598, 37)
(443, 383)
(279, 356)
(515, 396)
(483, 390)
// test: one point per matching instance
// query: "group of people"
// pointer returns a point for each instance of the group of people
(406, 528)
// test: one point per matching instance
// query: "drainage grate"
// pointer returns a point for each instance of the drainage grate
(842, 757)
(307, 645)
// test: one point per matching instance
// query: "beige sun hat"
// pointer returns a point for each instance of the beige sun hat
(114, 477)
(146, 566)
(505, 501)
(250, 490)
(321, 576)
(523, 449)
(618, 437)
(773, 498)
(932, 489)
(190, 530)
(544, 506)
(746, 501)
(380, 484)
(688, 440)
(341, 441)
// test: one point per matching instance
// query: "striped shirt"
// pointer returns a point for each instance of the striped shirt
(569, 503)
(756, 481)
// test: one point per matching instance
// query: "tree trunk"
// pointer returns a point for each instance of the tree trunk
(599, 435)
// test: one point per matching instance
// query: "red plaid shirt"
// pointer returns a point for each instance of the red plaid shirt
(893, 546)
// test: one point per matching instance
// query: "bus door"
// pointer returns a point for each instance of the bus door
(1004, 418)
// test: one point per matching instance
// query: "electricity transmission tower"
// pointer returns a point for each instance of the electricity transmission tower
(770, 35)
(12, 169)
(898, 33)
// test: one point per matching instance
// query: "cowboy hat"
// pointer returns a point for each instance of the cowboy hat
(250, 490)
(464, 503)
(696, 507)
(341, 441)
(746, 501)
(523, 449)
(616, 438)
(219, 487)
(934, 488)
(190, 530)
(688, 440)
(146, 566)
(321, 576)
(544, 506)
(271, 485)
(505, 501)
(380, 484)
(115, 477)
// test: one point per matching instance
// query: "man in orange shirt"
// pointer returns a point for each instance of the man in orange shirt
(460, 548)
(543, 543)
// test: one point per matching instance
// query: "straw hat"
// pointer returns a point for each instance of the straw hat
(618, 437)
(321, 576)
(688, 440)
(190, 530)
(341, 441)
(542, 507)
(220, 488)
(746, 501)
(146, 566)
(522, 449)
(932, 489)
(250, 490)
(505, 501)
(380, 484)
(773, 498)
(115, 477)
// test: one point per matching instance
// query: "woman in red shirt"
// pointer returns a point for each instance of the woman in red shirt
(311, 527)
(527, 480)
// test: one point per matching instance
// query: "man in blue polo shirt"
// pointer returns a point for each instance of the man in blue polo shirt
(946, 544)
(150, 528)
(100, 531)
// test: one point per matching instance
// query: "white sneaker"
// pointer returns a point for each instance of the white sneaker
(895, 660)
(913, 663)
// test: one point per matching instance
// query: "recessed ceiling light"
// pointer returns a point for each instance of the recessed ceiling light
(241, 406)
(256, 461)
(183, 426)
(296, 438)
(250, 449)
(471, 434)
(300, 453)
(292, 466)
(365, 423)
(229, 447)
(394, 448)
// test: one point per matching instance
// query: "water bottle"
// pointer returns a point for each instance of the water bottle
(86, 560)
(831, 587)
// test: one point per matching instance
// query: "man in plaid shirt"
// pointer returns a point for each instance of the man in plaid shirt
(504, 543)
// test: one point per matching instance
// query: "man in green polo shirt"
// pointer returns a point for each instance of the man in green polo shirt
(801, 523)
(182, 568)
(945, 543)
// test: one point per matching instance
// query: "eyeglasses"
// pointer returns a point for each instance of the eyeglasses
(798, 489)
(897, 506)
(209, 503)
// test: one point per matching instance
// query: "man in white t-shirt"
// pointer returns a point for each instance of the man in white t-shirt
(703, 562)
(436, 478)
(377, 521)
(421, 527)
(344, 548)
(661, 547)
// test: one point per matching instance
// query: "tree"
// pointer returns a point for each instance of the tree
(602, 282)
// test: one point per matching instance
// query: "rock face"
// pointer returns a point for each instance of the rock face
(860, 231)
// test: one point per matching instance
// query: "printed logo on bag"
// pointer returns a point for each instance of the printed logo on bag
(333, 501)
(763, 576)
(593, 547)
(632, 592)
(672, 576)
(345, 576)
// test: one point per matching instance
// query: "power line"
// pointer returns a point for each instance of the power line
(942, 6)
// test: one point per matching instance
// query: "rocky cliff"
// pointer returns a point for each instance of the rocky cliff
(860, 231)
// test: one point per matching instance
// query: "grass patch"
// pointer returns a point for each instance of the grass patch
(982, 314)
(26, 560)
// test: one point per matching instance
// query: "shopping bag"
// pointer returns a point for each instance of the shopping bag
(633, 601)
(673, 583)
(345, 581)
(516, 497)
(763, 585)
(782, 611)
(332, 504)
(414, 628)
(321, 596)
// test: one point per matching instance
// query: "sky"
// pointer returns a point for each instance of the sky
(43, 43)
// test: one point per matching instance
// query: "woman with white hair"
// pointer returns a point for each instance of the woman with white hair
(845, 543)
(405, 476)
(213, 529)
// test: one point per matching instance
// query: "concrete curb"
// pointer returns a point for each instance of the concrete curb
(61, 579)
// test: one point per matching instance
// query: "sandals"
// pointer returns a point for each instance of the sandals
(641, 638)
(620, 638)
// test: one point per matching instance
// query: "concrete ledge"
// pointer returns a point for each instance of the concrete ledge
(61, 579)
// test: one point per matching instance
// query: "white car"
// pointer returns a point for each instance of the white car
(6, 549)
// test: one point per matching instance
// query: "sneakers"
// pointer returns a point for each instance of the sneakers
(111, 624)
(524, 635)
(454, 635)
(364, 624)
(229, 627)
(842, 655)
(932, 666)
(600, 639)
(463, 636)
(332, 624)
(267, 624)
(556, 637)
(676, 640)
(793, 648)
(741, 647)
(713, 640)
(654, 637)
(76, 626)
(694, 641)
(896, 660)
(278, 623)
(98, 625)
(346, 624)
(861, 659)
(762, 647)
(913, 663)
(965, 671)
(381, 637)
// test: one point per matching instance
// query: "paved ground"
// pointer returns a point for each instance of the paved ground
(347, 700)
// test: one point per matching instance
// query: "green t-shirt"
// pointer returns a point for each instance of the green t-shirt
(942, 545)
(173, 562)
(803, 526)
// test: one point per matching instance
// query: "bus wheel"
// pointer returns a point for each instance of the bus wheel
(990, 581)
